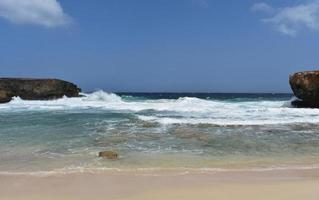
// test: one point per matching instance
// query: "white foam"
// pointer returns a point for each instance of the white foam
(158, 171)
(183, 110)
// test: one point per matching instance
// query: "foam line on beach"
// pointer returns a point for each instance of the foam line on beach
(154, 171)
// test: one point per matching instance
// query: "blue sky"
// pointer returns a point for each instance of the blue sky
(161, 45)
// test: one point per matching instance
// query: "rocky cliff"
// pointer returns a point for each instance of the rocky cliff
(36, 89)
(305, 86)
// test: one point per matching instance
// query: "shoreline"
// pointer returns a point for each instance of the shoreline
(159, 170)
(295, 184)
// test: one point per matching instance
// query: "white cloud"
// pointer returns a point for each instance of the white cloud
(293, 19)
(262, 7)
(48, 13)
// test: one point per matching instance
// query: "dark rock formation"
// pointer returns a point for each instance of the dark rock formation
(4, 97)
(304, 104)
(108, 154)
(305, 86)
(36, 89)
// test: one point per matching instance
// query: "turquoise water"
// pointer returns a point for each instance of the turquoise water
(162, 131)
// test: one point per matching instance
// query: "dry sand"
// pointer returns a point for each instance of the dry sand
(249, 185)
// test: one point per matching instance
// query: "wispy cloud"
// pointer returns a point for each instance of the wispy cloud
(262, 7)
(291, 20)
(201, 3)
(47, 13)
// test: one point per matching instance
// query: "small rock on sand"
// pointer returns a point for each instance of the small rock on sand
(108, 154)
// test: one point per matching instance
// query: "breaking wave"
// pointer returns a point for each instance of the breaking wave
(188, 110)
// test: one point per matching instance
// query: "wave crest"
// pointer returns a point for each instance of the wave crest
(189, 110)
(102, 96)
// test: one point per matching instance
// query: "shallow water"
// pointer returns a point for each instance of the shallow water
(201, 131)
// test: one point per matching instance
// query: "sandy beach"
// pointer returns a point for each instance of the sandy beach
(248, 185)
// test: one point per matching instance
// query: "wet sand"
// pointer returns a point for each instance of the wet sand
(156, 185)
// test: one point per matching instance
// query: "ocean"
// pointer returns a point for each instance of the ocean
(197, 131)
